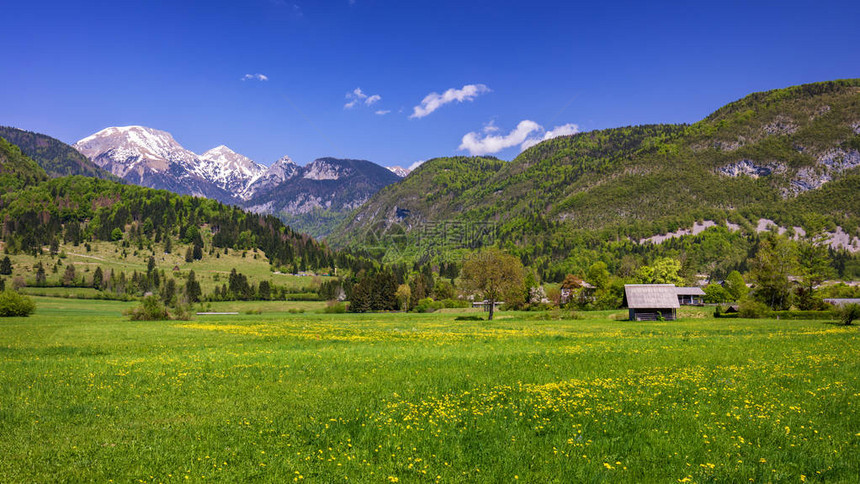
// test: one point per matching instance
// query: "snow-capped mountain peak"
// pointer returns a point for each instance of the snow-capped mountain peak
(151, 157)
(228, 169)
(280, 171)
(123, 149)
(399, 171)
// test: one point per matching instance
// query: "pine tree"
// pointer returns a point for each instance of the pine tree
(98, 278)
(41, 278)
(192, 288)
(6, 266)
(264, 291)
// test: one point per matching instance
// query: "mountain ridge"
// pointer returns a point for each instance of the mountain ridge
(57, 158)
(768, 155)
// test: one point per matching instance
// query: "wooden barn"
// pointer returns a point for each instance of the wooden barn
(690, 296)
(650, 302)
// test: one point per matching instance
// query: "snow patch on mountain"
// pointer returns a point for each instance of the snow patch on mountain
(399, 171)
(228, 169)
(280, 171)
(324, 169)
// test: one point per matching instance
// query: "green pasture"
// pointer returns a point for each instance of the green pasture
(212, 270)
(86, 395)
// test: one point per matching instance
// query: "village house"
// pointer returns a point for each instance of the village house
(690, 296)
(651, 302)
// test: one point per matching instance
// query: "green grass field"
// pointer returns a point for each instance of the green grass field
(86, 395)
(210, 271)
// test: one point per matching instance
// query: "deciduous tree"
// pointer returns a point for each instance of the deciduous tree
(493, 274)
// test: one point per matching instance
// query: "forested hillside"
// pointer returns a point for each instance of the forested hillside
(789, 155)
(77, 209)
(16, 170)
(54, 156)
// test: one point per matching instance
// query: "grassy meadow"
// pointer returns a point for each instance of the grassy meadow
(86, 395)
(212, 270)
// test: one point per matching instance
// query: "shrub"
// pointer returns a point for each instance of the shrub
(150, 309)
(335, 307)
(181, 312)
(426, 305)
(14, 304)
(753, 309)
(301, 296)
(468, 318)
(848, 313)
(802, 315)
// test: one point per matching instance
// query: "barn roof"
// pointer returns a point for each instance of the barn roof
(689, 291)
(650, 296)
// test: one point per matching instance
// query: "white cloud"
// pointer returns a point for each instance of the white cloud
(476, 144)
(383, 112)
(524, 135)
(415, 165)
(357, 96)
(255, 77)
(434, 100)
(491, 127)
(563, 130)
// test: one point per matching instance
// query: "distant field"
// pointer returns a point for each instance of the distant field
(86, 395)
(210, 271)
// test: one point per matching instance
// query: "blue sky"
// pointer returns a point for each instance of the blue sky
(514, 72)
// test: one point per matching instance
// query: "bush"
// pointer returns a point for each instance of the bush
(301, 296)
(802, 315)
(14, 304)
(150, 309)
(426, 305)
(468, 318)
(334, 307)
(848, 313)
(753, 309)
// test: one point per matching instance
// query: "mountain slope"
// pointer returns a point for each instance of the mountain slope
(315, 197)
(16, 170)
(56, 157)
(767, 155)
(151, 158)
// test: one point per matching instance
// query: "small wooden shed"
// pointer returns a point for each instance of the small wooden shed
(650, 302)
(690, 296)
(485, 305)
